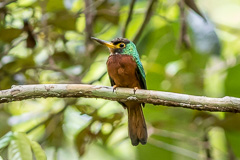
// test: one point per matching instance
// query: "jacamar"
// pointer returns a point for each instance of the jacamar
(125, 70)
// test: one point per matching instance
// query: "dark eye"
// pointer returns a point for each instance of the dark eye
(122, 45)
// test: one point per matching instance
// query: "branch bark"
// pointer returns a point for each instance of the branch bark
(23, 92)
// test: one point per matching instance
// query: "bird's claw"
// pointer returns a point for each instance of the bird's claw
(114, 87)
(135, 89)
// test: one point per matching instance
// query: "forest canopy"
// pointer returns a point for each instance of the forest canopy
(185, 46)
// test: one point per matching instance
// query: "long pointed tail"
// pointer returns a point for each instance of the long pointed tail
(136, 125)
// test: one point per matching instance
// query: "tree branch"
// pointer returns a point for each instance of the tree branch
(148, 15)
(23, 92)
(183, 37)
(5, 3)
(129, 18)
(207, 146)
(174, 149)
(89, 19)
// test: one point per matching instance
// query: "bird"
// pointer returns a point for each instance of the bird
(126, 70)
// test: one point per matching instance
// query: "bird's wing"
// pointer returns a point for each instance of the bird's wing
(141, 76)
(111, 81)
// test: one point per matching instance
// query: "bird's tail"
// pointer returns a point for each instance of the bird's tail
(136, 125)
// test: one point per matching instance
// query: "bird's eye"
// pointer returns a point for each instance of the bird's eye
(121, 45)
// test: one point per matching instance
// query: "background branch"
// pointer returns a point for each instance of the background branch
(183, 37)
(129, 18)
(89, 22)
(145, 21)
(22, 92)
(175, 149)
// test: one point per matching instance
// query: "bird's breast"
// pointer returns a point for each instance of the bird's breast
(122, 69)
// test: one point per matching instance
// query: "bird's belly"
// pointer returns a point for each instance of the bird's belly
(122, 69)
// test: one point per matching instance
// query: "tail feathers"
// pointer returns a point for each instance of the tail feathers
(136, 125)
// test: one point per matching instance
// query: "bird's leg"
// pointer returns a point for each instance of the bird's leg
(135, 89)
(114, 87)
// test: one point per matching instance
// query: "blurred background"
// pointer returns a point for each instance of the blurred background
(186, 46)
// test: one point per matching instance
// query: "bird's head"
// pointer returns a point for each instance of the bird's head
(119, 46)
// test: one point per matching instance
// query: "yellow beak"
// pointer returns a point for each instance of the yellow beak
(105, 43)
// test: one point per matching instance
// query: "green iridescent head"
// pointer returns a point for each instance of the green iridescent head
(119, 46)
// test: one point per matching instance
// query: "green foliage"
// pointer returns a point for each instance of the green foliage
(48, 42)
(4, 141)
(19, 148)
(66, 17)
(231, 83)
(38, 151)
(9, 34)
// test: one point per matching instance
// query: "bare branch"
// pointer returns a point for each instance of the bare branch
(23, 92)
(89, 24)
(175, 149)
(145, 21)
(183, 38)
(207, 146)
(129, 18)
(176, 136)
(5, 3)
(191, 4)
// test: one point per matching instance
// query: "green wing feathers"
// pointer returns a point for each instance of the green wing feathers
(132, 50)
(141, 75)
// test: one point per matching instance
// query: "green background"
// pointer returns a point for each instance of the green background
(53, 47)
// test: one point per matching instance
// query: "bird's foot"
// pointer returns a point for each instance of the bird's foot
(135, 89)
(114, 87)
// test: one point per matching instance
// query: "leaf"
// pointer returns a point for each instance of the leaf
(64, 20)
(7, 35)
(56, 132)
(38, 151)
(4, 141)
(60, 59)
(5, 127)
(109, 12)
(19, 148)
(191, 4)
(18, 64)
(60, 56)
(81, 142)
(233, 140)
(55, 5)
(230, 122)
(232, 85)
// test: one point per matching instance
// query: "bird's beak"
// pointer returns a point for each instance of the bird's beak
(105, 43)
